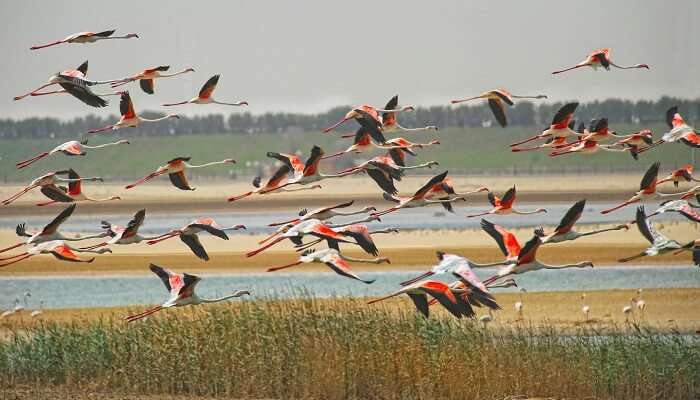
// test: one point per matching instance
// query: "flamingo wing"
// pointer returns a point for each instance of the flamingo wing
(83, 68)
(467, 275)
(278, 177)
(648, 183)
(397, 155)
(133, 226)
(126, 106)
(572, 215)
(528, 253)
(361, 235)
(147, 85)
(73, 148)
(507, 242)
(209, 87)
(372, 126)
(496, 107)
(341, 267)
(287, 159)
(429, 185)
(389, 118)
(211, 230)
(82, 93)
(192, 241)
(443, 294)
(52, 226)
(161, 68)
(691, 139)
(508, 198)
(311, 166)
(383, 180)
(688, 212)
(564, 115)
(420, 300)
(104, 33)
(504, 96)
(673, 118)
(170, 279)
(63, 252)
(56, 193)
(179, 180)
(644, 226)
(493, 199)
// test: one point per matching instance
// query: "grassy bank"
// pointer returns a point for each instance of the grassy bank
(462, 150)
(344, 349)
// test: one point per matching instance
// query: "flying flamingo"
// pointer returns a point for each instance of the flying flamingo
(175, 169)
(636, 142)
(188, 235)
(204, 96)
(360, 232)
(680, 130)
(659, 243)
(419, 291)
(71, 148)
(368, 116)
(363, 142)
(585, 147)
(49, 232)
(58, 248)
(124, 235)
(683, 207)
(693, 247)
(50, 179)
(148, 76)
(181, 288)
(74, 83)
(684, 173)
(335, 261)
(86, 37)
(565, 230)
(507, 242)
(553, 142)
(419, 199)
(308, 172)
(495, 99)
(647, 189)
(600, 58)
(504, 206)
(389, 122)
(129, 118)
(325, 213)
(527, 261)
(448, 263)
(275, 183)
(73, 193)
(383, 171)
(295, 233)
(559, 126)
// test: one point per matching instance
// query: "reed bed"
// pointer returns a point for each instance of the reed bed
(343, 349)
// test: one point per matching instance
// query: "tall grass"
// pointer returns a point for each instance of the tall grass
(344, 349)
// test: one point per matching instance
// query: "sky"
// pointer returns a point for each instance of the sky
(309, 56)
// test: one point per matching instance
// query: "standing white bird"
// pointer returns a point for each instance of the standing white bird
(585, 308)
(181, 288)
(520, 304)
(640, 304)
(38, 311)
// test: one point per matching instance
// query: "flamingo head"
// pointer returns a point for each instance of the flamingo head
(104, 250)
(131, 35)
(173, 116)
(240, 226)
(229, 161)
(431, 164)
(408, 108)
(316, 187)
(190, 69)
(115, 198)
(641, 66)
(482, 189)
(368, 209)
(434, 142)
(381, 260)
(123, 142)
(542, 210)
(243, 103)
(586, 264)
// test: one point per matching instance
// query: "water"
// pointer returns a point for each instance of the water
(419, 218)
(77, 292)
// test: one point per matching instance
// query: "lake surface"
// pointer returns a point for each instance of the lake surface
(76, 292)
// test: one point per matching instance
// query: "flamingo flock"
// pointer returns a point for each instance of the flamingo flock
(460, 294)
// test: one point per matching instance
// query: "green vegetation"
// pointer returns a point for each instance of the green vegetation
(468, 150)
(344, 349)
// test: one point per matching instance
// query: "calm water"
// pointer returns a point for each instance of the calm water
(75, 292)
(420, 218)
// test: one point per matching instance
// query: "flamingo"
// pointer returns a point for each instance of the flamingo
(419, 198)
(49, 232)
(70, 148)
(335, 261)
(553, 142)
(204, 96)
(124, 235)
(558, 128)
(640, 304)
(600, 58)
(73, 193)
(275, 183)
(58, 248)
(684, 173)
(10, 311)
(682, 207)
(565, 230)
(504, 206)
(628, 310)
(129, 118)
(598, 132)
(74, 83)
(383, 171)
(447, 263)
(86, 37)
(659, 243)
(36, 313)
(175, 169)
(527, 261)
(636, 142)
(361, 233)
(470, 291)
(585, 308)
(680, 131)
(188, 235)
(295, 233)
(496, 98)
(586, 147)
(520, 304)
(487, 319)
(181, 288)
(368, 116)
(363, 142)
(647, 189)
(148, 76)
(325, 213)
(389, 122)
(46, 180)
(507, 242)
(419, 291)
(308, 172)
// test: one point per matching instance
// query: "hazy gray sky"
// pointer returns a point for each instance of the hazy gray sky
(307, 56)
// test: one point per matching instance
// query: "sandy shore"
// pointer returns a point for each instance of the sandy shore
(211, 195)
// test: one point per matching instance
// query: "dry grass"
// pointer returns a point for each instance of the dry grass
(344, 349)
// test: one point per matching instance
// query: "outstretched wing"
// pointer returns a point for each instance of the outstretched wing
(311, 166)
(429, 185)
(179, 180)
(506, 241)
(508, 198)
(52, 226)
(529, 251)
(192, 241)
(126, 106)
(645, 226)
(498, 111)
(389, 118)
(571, 216)
(133, 226)
(209, 87)
(648, 182)
(564, 115)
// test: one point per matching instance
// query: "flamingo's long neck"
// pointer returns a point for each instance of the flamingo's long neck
(207, 164)
(158, 119)
(341, 174)
(237, 293)
(101, 145)
(425, 128)
(184, 71)
(240, 103)
(95, 236)
(526, 212)
(541, 265)
(364, 260)
(298, 189)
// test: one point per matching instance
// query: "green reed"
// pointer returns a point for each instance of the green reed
(344, 349)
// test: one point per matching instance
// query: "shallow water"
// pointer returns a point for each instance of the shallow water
(75, 292)
(420, 218)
